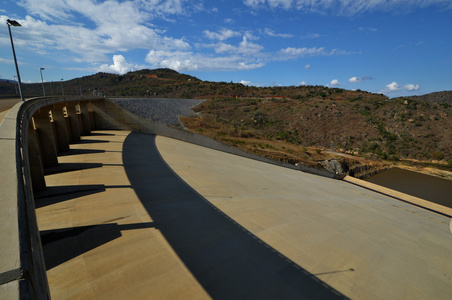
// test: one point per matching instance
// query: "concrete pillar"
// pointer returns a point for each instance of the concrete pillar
(34, 159)
(79, 119)
(61, 132)
(91, 117)
(46, 139)
(85, 118)
(74, 129)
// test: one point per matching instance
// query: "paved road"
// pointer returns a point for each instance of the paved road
(139, 216)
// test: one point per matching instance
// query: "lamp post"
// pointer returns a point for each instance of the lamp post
(15, 85)
(62, 88)
(42, 82)
(15, 24)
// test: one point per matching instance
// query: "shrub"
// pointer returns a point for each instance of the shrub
(437, 155)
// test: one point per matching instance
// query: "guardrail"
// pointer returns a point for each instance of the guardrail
(22, 268)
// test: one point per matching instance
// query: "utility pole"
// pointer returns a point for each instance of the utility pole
(15, 24)
(15, 85)
(42, 82)
(62, 88)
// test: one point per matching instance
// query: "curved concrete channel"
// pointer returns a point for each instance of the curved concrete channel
(139, 210)
(136, 215)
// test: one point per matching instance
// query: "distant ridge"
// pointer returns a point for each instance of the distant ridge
(438, 97)
(8, 80)
(165, 82)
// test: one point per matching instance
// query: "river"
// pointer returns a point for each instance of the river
(434, 189)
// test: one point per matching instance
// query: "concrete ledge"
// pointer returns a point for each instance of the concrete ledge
(440, 209)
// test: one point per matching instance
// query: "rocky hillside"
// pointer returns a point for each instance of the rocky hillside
(298, 124)
(437, 97)
(376, 128)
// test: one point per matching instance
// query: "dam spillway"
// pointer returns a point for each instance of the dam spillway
(127, 207)
(152, 217)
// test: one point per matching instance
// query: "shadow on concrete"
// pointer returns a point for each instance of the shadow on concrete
(56, 194)
(97, 133)
(61, 245)
(80, 152)
(70, 167)
(92, 141)
(226, 259)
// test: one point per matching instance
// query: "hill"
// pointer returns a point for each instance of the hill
(162, 83)
(437, 97)
(298, 124)
(309, 131)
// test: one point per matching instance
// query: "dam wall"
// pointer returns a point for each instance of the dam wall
(109, 115)
(32, 135)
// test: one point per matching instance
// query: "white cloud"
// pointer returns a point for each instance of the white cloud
(185, 60)
(6, 61)
(245, 82)
(293, 53)
(272, 3)
(347, 7)
(393, 87)
(308, 66)
(222, 35)
(119, 66)
(303, 83)
(110, 26)
(106, 11)
(359, 79)
(335, 82)
(311, 36)
(412, 87)
(243, 48)
(272, 33)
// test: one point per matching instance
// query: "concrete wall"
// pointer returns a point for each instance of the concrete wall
(24, 145)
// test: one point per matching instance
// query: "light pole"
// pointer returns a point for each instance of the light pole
(42, 82)
(15, 85)
(62, 88)
(15, 24)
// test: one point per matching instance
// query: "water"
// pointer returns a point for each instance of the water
(434, 189)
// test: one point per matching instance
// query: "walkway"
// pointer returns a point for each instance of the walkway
(5, 105)
(130, 215)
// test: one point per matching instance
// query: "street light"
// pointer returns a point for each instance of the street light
(15, 85)
(15, 24)
(42, 82)
(62, 88)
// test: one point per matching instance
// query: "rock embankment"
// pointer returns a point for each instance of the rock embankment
(164, 110)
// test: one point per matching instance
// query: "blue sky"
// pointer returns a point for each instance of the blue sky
(395, 47)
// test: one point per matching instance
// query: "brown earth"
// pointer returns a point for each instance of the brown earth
(365, 136)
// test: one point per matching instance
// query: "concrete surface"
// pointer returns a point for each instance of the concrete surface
(131, 215)
(21, 260)
(8, 103)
